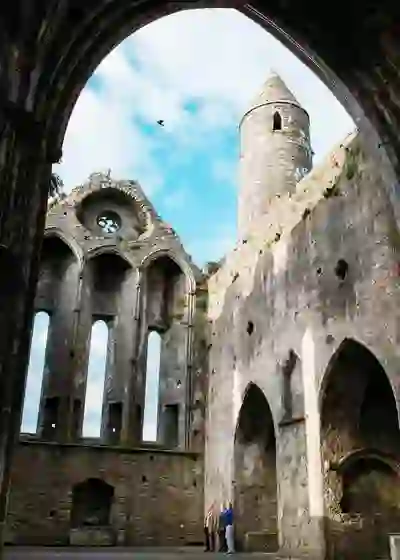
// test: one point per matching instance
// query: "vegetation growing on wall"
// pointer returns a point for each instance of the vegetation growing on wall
(351, 163)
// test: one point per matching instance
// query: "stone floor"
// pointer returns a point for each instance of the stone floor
(22, 553)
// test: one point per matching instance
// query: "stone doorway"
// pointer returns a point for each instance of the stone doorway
(255, 498)
(91, 512)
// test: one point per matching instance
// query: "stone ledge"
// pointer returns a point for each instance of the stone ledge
(111, 448)
(290, 421)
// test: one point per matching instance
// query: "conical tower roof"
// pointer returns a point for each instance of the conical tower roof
(274, 90)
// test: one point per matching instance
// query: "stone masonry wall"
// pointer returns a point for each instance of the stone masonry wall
(158, 496)
(280, 292)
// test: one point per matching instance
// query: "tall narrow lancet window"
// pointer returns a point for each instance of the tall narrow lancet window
(277, 121)
(35, 373)
(150, 417)
(95, 380)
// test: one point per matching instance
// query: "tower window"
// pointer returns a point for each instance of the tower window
(277, 122)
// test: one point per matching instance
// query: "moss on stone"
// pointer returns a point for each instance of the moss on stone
(351, 166)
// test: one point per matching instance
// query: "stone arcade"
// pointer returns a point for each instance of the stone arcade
(286, 380)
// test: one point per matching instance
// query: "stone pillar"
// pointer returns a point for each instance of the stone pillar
(316, 539)
(59, 353)
(133, 404)
(75, 404)
(80, 349)
(189, 373)
(24, 184)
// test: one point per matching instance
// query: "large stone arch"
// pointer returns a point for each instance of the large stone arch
(60, 45)
(71, 243)
(359, 431)
(255, 495)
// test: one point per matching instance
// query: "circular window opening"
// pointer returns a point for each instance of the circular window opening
(109, 222)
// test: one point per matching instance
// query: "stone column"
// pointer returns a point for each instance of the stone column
(59, 353)
(189, 373)
(315, 532)
(24, 184)
(80, 350)
(131, 419)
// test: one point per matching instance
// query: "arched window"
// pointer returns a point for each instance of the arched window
(35, 373)
(150, 417)
(277, 122)
(95, 380)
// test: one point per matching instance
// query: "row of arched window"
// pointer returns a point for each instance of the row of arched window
(96, 373)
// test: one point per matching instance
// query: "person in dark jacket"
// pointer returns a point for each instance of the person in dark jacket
(221, 530)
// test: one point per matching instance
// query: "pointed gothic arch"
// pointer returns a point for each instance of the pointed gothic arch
(164, 309)
(276, 121)
(255, 497)
(358, 413)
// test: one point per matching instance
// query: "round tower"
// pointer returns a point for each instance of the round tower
(275, 152)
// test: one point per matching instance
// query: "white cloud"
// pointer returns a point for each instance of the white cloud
(165, 65)
(230, 67)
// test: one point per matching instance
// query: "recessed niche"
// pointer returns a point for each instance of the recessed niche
(250, 328)
(341, 269)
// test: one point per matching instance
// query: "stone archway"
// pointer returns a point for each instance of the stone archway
(255, 497)
(361, 490)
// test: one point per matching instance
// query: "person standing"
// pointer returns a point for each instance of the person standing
(221, 530)
(228, 514)
(209, 529)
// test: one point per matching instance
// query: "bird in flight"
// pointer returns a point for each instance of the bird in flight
(160, 122)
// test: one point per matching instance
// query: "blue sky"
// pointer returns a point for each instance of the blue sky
(200, 88)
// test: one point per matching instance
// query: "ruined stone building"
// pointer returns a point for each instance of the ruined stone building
(279, 393)
(108, 257)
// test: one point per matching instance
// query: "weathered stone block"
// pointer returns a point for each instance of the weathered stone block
(92, 536)
(261, 541)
